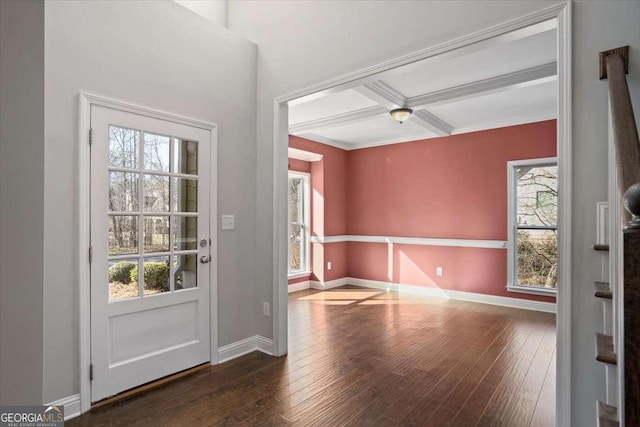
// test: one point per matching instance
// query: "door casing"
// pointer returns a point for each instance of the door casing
(86, 100)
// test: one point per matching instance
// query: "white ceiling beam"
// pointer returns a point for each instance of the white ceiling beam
(388, 96)
(307, 156)
(339, 119)
(432, 123)
(326, 141)
(518, 79)
(383, 94)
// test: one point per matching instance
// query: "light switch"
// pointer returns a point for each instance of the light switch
(228, 222)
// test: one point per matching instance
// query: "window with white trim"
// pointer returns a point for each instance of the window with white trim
(533, 226)
(298, 223)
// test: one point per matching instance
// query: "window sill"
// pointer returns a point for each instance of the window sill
(533, 290)
(299, 275)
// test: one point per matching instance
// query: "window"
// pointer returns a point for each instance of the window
(533, 226)
(298, 223)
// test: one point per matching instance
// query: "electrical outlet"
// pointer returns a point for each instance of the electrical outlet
(329, 265)
(266, 309)
(438, 271)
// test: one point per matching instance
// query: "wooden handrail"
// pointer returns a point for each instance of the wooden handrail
(627, 145)
(627, 153)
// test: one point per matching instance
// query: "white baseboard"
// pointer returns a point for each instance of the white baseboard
(299, 286)
(245, 346)
(71, 406)
(264, 345)
(330, 284)
(524, 304)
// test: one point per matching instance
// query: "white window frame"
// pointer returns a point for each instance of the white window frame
(306, 247)
(512, 226)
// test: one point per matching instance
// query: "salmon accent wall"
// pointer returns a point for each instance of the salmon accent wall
(450, 187)
(299, 165)
(453, 187)
(328, 207)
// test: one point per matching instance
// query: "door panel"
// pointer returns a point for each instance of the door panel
(150, 241)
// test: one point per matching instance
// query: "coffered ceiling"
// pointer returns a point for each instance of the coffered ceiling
(494, 85)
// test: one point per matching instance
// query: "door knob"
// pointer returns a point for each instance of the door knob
(205, 259)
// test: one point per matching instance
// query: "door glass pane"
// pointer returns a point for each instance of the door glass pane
(185, 157)
(123, 192)
(185, 195)
(156, 193)
(123, 147)
(185, 233)
(123, 234)
(156, 152)
(537, 195)
(156, 233)
(185, 271)
(538, 258)
(123, 279)
(156, 275)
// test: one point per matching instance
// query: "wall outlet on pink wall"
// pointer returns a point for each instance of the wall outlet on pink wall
(438, 271)
(329, 265)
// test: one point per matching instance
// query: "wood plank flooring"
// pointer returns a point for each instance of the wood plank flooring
(361, 357)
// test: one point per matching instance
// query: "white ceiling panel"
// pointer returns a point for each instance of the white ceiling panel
(515, 106)
(379, 129)
(342, 102)
(495, 61)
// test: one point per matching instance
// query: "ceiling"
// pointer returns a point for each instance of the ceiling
(483, 87)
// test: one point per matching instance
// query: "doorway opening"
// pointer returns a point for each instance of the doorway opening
(367, 97)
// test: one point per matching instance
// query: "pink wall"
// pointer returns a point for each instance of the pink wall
(451, 187)
(299, 165)
(328, 207)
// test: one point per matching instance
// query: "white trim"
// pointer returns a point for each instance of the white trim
(383, 94)
(511, 121)
(264, 345)
(535, 22)
(300, 286)
(386, 96)
(331, 283)
(493, 124)
(306, 221)
(523, 78)
(523, 304)
(71, 406)
(307, 156)
(245, 346)
(432, 123)
(422, 241)
(326, 141)
(86, 100)
(339, 119)
(512, 208)
(298, 275)
(533, 290)
(602, 223)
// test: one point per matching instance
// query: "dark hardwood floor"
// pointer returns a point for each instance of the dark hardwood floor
(360, 357)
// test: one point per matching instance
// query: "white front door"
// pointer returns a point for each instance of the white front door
(150, 246)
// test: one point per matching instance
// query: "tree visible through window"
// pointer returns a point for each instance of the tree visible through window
(534, 190)
(298, 229)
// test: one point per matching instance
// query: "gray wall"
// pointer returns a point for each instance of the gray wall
(21, 200)
(303, 43)
(160, 55)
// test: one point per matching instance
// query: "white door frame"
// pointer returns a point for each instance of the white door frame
(86, 100)
(561, 12)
